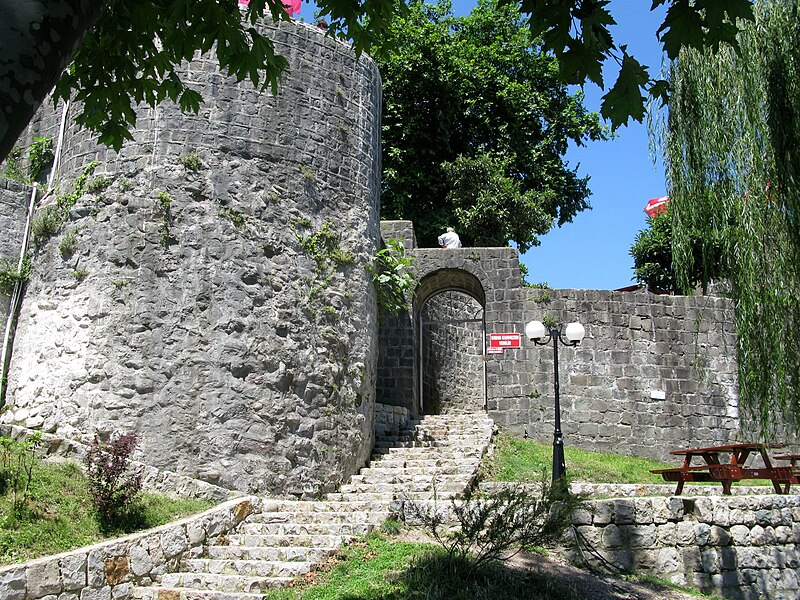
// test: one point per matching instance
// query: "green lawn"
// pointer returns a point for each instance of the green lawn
(379, 568)
(58, 515)
(517, 459)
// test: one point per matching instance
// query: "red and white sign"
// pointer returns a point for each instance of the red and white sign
(500, 341)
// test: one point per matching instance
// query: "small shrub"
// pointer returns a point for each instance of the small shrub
(496, 526)
(17, 459)
(113, 484)
(99, 183)
(13, 166)
(191, 161)
(125, 184)
(234, 216)
(393, 278)
(79, 274)
(308, 174)
(40, 156)
(10, 275)
(47, 224)
(68, 244)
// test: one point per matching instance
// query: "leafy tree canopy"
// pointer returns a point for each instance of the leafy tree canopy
(653, 262)
(732, 151)
(475, 124)
(132, 53)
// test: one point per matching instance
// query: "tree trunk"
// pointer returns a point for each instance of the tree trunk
(37, 40)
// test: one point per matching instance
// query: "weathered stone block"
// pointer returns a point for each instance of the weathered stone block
(44, 577)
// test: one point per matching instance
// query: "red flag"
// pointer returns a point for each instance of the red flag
(656, 206)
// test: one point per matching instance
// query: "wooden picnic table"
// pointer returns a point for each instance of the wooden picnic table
(730, 470)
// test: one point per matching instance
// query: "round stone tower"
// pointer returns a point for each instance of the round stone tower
(209, 288)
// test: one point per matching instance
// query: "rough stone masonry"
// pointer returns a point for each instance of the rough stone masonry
(217, 300)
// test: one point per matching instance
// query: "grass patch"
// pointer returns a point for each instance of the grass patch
(58, 515)
(380, 568)
(519, 460)
(524, 460)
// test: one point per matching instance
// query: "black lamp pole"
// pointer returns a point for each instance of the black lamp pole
(541, 334)
(559, 466)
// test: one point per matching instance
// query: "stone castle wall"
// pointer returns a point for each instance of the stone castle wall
(654, 373)
(14, 198)
(225, 312)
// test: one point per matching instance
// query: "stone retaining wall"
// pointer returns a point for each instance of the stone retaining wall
(742, 547)
(111, 569)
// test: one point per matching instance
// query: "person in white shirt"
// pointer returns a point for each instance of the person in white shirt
(449, 239)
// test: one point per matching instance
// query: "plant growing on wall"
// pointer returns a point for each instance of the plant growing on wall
(233, 215)
(68, 244)
(164, 210)
(52, 218)
(40, 155)
(393, 277)
(10, 275)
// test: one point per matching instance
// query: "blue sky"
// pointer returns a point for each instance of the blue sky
(592, 252)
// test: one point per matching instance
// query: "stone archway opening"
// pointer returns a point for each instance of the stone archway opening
(451, 321)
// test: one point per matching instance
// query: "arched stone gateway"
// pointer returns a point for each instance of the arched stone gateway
(450, 281)
(451, 350)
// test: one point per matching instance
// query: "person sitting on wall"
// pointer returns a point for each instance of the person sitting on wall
(449, 239)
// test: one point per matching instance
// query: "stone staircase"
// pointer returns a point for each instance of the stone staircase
(437, 456)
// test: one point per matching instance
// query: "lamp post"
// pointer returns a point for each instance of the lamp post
(539, 334)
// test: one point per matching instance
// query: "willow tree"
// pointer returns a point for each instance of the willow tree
(732, 149)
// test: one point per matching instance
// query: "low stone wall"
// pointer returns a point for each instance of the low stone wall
(738, 546)
(742, 547)
(113, 568)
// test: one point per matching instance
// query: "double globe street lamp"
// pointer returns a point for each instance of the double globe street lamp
(541, 335)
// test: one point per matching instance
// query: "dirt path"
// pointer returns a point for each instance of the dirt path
(594, 587)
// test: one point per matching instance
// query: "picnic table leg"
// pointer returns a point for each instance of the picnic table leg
(726, 486)
(679, 487)
(768, 465)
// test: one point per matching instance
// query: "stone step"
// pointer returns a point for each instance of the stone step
(222, 583)
(272, 553)
(392, 462)
(246, 567)
(388, 471)
(320, 506)
(175, 593)
(429, 452)
(375, 517)
(277, 540)
(397, 495)
(305, 528)
(408, 488)
(400, 477)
